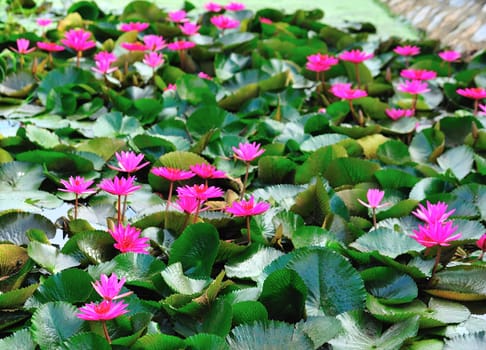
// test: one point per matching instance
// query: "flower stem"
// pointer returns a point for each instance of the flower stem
(76, 207)
(476, 106)
(248, 233)
(245, 180)
(105, 331)
(356, 69)
(480, 258)
(124, 209)
(118, 210)
(414, 103)
(437, 260)
(373, 213)
(197, 211)
(78, 58)
(169, 198)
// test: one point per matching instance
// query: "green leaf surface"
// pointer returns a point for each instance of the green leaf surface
(389, 285)
(20, 340)
(174, 277)
(459, 160)
(72, 286)
(387, 242)
(50, 258)
(253, 265)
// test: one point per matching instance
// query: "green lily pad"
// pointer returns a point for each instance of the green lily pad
(462, 283)
(389, 286)
(14, 226)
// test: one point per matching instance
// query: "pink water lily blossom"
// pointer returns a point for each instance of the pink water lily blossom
(188, 205)
(203, 75)
(50, 47)
(213, 7)
(128, 239)
(482, 109)
(22, 47)
(119, 186)
(135, 46)
(397, 113)
(172, 174)
(109, 287)
(181, 45)
(248, 152)
(355, 56)
(235, 6)
(153, 59)
(154, 42)
(103, 62)
(178, 16)
(481, 244)
(344, 91)
(433, 212)
(374, 197)
(265, 20)
(134, 26)
(224, 22)
(477, 94)
(189, 28)
(103, 311)
(171, 87)
(320, 62)
(407, 50)
(78, 40)
(128, 162)
(418, 74)
(43, 22)
(449, 55)
(207, 171)
(201, 192)
(77, 185)
(436, 233)
(247, 207)
(413, 87)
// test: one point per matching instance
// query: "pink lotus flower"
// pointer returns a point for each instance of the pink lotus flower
(181, 45)
(43, 22)
(418, 74)
(320, 62)
(109, 287)
(200, 192)
(374, 197)
(103, 61)
(78, 40)
(355, 56)
(207, 171)
(344, 91)
(171, 87)
(104, 311)
(189, 28)
(413, 87)
(178, 16)
(450, 56)
(119, 186)
(128, 240)
(247, 208)
(188, 205)
(213, 7)
(235, 6)
(247, 152)
(136, 46)
(154, 42)
(77, 185)
(134, 26)
(433, 213)
(481, 243)
(396, 114)
(105, 56)
(224, 22)
(128, 162)
(477, 93)
(407, 50)
(265, 20)
(153, 59)
(172, 174)
(436, 233)
(49, 47)
(483, 109)
(203, 75)
(23, 47)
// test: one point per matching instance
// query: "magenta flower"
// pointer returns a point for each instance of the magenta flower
(450, 55)
(154, 42)
(50, 47)
(172, 174)
(247, 208)
(213, 7)
(355, 56)
(119, 186)
(181, 45)
(235, 6)
(134, 26)
(104, 311)
(78, 40)
(481, 243)
(178, 16)
(128, 240)
(189, 28)
(344, 91)
(43, 22)
(200, 192)
(433, 212)
(414, 87)
(77, 185)
(476, 94)
(136, 46)
(482, 109)
(265, 20)
(188, 205)
(171, 87)
(224, 22)
(207, 171)
(103, 61)
(398, 113)
(203, 75)
(153, 59)
(418, 74)
(436, 233)
(109, 287)
(23, 47)
(407, 50)
(128, 162)
(374, 197)
(320, 62)
(248, 152)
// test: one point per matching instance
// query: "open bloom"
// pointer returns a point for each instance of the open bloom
(171, 87)
(413, 87)
(265, 20)
(207, 171)
(213, 7)
(203, 75)
(154, 42)
(181, 45)
(134, 26)
(109, 287)
(418, 74)
(153, 59)
(49, 47)
(23, 47)
(436, 233)
(481, 242)
(407, 50)
(78, 40)
(482, 109)
(320, 62)
(135, 46)
(103, 61)
(200, 192)
(103, 311)
(43, 22)
(374, 197)
(398, 113)
(177, 16)
(77, 185)
(247, 207)
(355, 56)
(433, 212)
(235, 6)
(119, 186)
(128, 162)
(189, 28)
(450, 55)
(128, 240)
(188, 205)
(477, 93)
(224, 22)
(344, 91)
(172, 174)
(248, 151)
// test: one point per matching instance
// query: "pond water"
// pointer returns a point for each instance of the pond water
(337, 12)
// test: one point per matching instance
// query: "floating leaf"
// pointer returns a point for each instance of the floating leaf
(21, 340)
(350, 171)
(174, 277)
(459, 160)
(50, 258)
(389, 285)
(88, 340)
(253, 265)
(72, 286)
(14, 226)
(20, 176)
(17, 297)
(462, 283)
